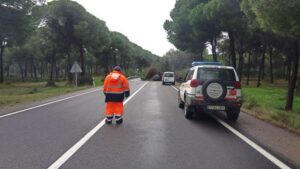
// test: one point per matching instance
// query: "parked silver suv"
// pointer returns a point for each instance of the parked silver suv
(209, 86)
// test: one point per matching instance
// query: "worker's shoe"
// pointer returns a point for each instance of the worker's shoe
(119, 119)
(108, 120)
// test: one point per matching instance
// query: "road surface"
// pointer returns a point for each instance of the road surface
(155, 135)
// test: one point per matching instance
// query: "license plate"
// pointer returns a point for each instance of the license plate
(221, 108)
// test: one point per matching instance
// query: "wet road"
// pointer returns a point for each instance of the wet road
(154, 135)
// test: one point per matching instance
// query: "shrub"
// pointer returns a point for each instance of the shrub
(85, 81)
(50, 83)
(250, 103)
(34, 90)
(151, 73)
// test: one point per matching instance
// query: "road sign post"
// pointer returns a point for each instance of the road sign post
(94, 83)
(76, 69)
(76, 80)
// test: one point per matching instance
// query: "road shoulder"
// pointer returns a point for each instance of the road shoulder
(279, 141)
(8, 109)
(21, 106)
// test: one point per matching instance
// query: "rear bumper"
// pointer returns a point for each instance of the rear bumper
(201, 105)
(168, 81)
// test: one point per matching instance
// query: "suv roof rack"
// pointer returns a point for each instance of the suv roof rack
(206, 63)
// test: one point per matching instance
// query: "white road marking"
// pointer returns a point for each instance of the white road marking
(46, 104)
(175, 88)
(262, 151)
(69, 153)
(269, 156)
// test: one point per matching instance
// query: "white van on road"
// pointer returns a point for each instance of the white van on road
(168, 78)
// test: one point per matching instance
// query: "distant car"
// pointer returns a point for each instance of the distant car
(209, 86)
(156, 77)
(168, 78)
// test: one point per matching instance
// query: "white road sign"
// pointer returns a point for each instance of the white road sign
(76, 68)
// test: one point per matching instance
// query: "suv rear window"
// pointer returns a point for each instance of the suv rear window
(169, 75)
(215, 73)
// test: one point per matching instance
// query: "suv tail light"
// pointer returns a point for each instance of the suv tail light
(195, 83)
(237, 85)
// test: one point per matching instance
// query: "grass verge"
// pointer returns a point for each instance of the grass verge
(15, 93)
(99, 80)
(268, 102)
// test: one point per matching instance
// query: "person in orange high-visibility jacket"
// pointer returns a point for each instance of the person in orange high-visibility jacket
(115, 88)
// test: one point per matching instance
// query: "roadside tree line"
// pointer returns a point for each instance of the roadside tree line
(254, 36)
(41, 40)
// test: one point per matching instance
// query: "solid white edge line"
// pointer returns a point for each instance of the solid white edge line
(175, 88)
(269, 156)
(45, 104)
(262, 151)
(69, 153)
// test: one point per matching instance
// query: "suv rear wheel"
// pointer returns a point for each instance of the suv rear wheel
(232, 115)
(188, 113)
(180, 102)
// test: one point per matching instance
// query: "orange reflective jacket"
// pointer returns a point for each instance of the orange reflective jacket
(116, 87)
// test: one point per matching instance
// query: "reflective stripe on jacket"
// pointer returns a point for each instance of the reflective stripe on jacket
(116, 87)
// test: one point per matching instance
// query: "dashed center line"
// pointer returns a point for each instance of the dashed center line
(69, 153)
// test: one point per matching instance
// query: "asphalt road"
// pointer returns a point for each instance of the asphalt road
(154, 135)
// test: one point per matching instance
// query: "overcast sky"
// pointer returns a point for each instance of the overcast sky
(140, 20)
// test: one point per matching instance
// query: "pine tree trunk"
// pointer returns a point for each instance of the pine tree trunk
(21, 71)
(46, 70)
(25, 70)
(213, 49)
(1, 63)
(70, 78)
(56, 71)
(42, 70)
(106, 62)
(248, 68)
(81, 51)
(52, 67)
(201, 55)
(271, 64)
(288, 66)
(96, 70)
(35, 72)
(31, 67)
(7, 69)
(284, 69)
(293, 78)
(241, 64)
(232, 48)
(66, 72)
(115, 59)
(261, 67)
